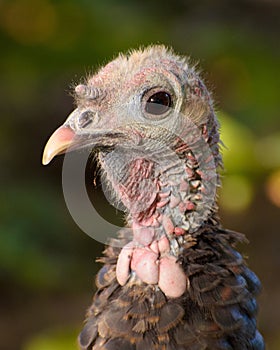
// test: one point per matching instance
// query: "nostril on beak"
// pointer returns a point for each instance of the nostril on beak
(85, 119)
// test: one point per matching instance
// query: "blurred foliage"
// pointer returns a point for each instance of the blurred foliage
(35, 254)
(47, 46)
(62, 339)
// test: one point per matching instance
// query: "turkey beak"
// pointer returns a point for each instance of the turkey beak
(69, 134)
(82, 128)
(58, 143)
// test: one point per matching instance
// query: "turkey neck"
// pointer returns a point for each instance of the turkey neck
(167, 191)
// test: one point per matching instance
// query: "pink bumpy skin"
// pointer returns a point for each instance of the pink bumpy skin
(123, 264)
(152, 265)
(172, 279)
(144, 263)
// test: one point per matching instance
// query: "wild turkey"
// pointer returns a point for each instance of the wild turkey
(173, 279)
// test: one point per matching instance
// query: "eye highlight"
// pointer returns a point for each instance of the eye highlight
(158, 103)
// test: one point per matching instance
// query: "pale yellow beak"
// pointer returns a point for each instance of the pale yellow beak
(58, 143)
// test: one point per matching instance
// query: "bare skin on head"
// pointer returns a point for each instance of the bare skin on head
(142, 183)
(152, 120)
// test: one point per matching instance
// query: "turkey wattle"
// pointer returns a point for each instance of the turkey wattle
(173, 279)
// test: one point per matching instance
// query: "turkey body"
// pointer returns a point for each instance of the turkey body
(173, 280)
(217, 312)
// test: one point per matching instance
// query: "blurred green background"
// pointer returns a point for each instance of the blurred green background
(47, 46)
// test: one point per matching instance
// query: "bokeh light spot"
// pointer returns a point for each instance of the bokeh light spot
(273, 187)
(236, 194)
(268, 150)
(239, 155)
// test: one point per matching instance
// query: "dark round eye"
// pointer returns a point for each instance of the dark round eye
(159, 103)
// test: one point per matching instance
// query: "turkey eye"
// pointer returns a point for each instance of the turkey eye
(159, 103)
